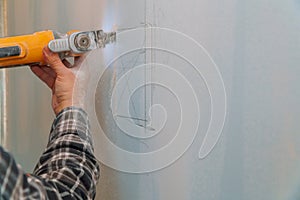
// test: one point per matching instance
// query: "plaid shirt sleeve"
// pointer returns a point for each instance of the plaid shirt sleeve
(67, 169)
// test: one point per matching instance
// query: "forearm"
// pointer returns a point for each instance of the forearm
(68, 162)
(66, 170)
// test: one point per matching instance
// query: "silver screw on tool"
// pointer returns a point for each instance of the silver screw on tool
(82, 41)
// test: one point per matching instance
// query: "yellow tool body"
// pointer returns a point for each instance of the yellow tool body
(27, 49)
(24, 49)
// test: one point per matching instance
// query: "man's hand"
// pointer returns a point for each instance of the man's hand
(58, 78)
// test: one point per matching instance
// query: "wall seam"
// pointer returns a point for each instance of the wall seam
(3, 77)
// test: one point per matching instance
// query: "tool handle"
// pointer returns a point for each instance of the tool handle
(24, 50)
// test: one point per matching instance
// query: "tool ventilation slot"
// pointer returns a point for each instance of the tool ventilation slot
(10, 51)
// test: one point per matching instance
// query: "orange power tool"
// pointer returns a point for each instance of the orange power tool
(27, 49)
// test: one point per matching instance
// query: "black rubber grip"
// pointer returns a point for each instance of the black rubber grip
(10, 51)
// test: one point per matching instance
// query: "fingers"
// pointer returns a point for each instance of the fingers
(49, 71)
(44, 76)
(54, 61)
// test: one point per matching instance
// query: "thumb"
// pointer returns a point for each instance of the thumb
(54, 61)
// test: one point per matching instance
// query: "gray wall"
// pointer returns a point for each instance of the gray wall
(254, 43)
